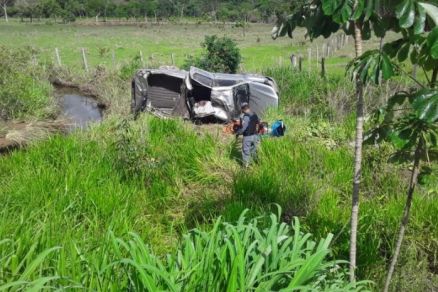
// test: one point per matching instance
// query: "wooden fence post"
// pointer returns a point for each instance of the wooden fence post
(172, 57)
(309, 57)
(300, 63)
(293, 60)
(58, 57)
(322, 67)
(84, 59)
(317, 57)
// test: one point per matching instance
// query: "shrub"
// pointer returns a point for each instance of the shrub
(221, 55)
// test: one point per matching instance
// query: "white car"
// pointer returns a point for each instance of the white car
(200, 95)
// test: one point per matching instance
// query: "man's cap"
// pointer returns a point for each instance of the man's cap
(244, 105)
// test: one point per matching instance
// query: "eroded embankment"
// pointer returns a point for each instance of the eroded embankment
(78, 106)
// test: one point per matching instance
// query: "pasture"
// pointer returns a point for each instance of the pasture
(110, 45)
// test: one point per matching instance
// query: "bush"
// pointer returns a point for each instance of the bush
(24, 87)
(221, 55)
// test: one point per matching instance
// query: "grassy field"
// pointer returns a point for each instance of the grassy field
(159, 42)
(70, 203)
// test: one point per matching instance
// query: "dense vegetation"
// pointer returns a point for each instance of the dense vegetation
(159, 178)
(152, 204)
(222, 10)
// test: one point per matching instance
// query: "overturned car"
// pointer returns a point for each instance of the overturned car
(200, 95)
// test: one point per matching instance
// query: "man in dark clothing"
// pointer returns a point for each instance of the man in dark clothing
(249, 132)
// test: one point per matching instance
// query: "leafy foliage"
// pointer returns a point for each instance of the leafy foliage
(221, 55)
(416, 120)
(372, 66)
(324, 17)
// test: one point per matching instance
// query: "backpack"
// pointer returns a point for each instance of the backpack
(278, 128)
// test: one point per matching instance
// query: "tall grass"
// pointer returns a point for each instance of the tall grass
(24, 88)
(259, 254)
(158, 178)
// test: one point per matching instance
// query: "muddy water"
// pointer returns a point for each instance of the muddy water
(78, 109)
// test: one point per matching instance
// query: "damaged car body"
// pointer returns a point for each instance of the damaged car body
(198, 94)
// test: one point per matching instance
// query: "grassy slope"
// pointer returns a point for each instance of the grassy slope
(160, 177)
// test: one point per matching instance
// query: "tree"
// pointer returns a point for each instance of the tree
(50, 8)
(358, 18)
(27, 8)
(322, 18)
(4, 4)
(410, 119)
(221, 55)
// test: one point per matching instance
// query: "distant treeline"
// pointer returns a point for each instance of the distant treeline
(210, 10)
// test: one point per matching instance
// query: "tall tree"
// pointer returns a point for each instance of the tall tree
(358, 18)
(4, 4)
(323, 18)
(410, 118)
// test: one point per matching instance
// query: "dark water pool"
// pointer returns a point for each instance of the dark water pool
(79, 110)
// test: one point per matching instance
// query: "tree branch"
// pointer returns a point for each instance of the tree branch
(409, 75)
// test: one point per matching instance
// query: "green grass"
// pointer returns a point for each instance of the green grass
(251, 254)
(158, 42)
(159, 178)
(25, 90)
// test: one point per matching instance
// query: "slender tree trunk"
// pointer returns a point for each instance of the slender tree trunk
(405, 217)
(5, 10)
(434, 77)
(357, 158)
(356, 178)
(357, 38)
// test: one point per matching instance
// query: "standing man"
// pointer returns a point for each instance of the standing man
(249, 131)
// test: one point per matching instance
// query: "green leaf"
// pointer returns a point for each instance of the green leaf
(402, 8)
(397, 141)
(359, 9)
(420, 20)
(368, 10)
(432, 43)
(391, 49)
(403, 53)
(37, 262)
(329, 6)
(370, 65)
(386, 67)
(426, 105)
(405, 13)
(431, 10)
